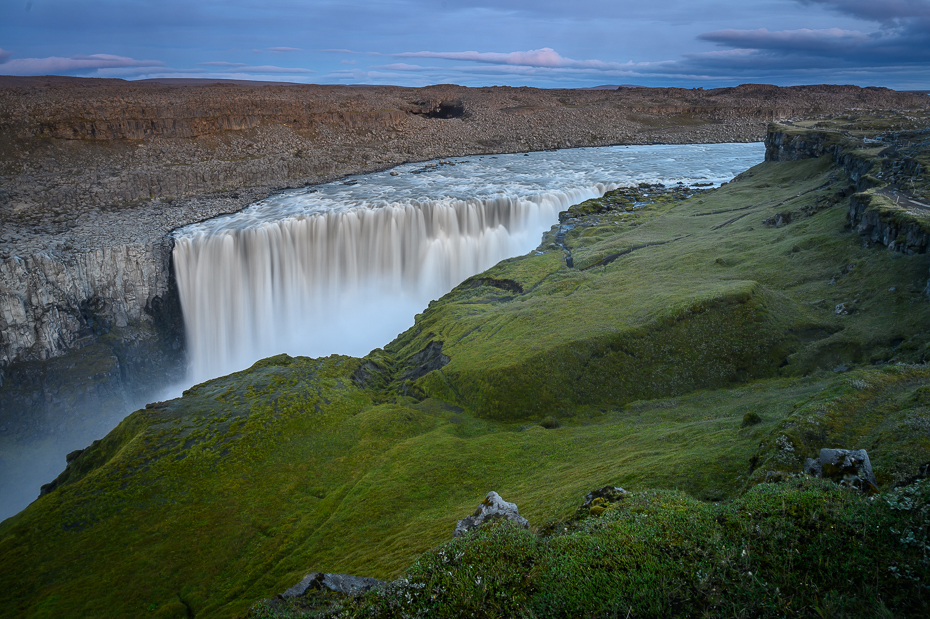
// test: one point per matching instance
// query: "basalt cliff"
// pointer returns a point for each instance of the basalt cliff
(96, 173)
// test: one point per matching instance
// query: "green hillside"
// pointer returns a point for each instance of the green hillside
(645, 360)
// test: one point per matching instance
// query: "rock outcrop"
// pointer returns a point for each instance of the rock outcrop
(51, 302)
(878, 220)
(338, 583)
(86, 335)
(782, 145)
(851, 467)
(492, 508)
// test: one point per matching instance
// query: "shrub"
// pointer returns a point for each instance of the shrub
(550, 423)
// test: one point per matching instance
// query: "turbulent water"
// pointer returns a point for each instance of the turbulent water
(344, 267)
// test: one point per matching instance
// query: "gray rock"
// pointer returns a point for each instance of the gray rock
(339, 583)
(51, 299)
(848, 466)
(493, 507)
(608, 494)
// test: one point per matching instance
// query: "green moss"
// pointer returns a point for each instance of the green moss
(650, 361)
(803, 547)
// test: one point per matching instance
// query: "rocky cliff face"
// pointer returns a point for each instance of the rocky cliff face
(878, 220)
(53, 301)
(782, 145)
(81, 332)
(889, 168)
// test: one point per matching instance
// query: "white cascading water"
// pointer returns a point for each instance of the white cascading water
(344, 267)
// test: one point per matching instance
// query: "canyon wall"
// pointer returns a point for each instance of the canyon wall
(95, 174)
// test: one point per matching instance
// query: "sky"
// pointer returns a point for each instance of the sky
(541, 43)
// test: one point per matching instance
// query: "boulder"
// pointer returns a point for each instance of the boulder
(339, 583)
(596, 501)
(849, 466)
(607, 494)
(493, 507)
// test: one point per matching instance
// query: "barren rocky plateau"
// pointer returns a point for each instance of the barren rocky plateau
(87, 164)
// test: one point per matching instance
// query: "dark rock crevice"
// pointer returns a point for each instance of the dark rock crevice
(422, 363)
(444, 109)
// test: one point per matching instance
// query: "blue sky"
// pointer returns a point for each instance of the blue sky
(541, 43)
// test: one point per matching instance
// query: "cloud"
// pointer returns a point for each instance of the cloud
(55, 65)
(241, 67)
(349, 51)
(832, 47)
(544, 57)
(4, 55)
(349, 62)
(272, 69)
(890, 13)
(400, 66)
(146, 72)
(284, 50)
(900, 45)
(833, 39)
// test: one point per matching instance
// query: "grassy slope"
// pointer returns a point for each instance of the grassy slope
(202, 505)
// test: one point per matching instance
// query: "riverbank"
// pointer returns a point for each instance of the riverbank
(92, 165)
(691, 346)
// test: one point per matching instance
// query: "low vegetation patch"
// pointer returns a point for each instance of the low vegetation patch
(799, 548)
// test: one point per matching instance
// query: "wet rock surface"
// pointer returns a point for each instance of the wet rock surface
(425, 361)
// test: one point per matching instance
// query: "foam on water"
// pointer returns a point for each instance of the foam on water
(343, 268)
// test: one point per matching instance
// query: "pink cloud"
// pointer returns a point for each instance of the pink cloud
(544, 58)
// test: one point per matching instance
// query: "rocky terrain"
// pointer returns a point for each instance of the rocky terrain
(95, 173)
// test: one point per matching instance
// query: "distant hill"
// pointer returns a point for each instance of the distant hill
(610, 87)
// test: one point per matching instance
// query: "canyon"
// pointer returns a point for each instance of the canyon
(96, 174)
(692, 343)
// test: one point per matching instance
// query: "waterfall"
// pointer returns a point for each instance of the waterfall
(344, 267)
(336, 281)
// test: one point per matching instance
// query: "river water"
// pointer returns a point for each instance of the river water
(344, 267)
